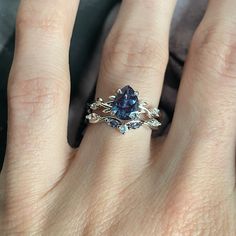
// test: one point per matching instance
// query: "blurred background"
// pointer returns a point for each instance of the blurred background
(93, 23)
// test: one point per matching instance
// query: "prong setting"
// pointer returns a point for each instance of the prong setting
(112, 97)
(113, 113)
(119, 91)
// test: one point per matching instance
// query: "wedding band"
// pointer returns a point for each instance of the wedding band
(124, 111)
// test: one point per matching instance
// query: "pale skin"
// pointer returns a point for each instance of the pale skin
(113, 184)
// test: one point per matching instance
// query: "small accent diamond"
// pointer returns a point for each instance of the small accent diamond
(155, 112)
(93, 117)
(93, 106)
(154, 123)
(123, 129)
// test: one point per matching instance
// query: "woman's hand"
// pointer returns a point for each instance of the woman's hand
(180, 184)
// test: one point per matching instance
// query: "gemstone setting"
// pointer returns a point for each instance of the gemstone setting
(153, 123)
(125, 103)
(114, 123)
(135, 124)
(124, 111)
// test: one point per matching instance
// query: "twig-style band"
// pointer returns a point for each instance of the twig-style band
(123, 111)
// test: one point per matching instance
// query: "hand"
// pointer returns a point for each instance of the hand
(180, 184)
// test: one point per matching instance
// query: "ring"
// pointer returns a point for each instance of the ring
(124, 111)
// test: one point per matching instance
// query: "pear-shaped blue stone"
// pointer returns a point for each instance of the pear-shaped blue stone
(125, 103)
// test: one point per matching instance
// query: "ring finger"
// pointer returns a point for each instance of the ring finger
(135, 54)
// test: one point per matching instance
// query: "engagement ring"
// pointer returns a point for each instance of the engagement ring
(124, 111)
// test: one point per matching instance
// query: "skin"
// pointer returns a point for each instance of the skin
(113, 184)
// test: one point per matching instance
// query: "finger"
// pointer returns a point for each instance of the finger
(135, 54)
(204, 128)
(38, 96)
(136, 51)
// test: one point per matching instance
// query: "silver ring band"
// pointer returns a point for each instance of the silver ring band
(124, 111)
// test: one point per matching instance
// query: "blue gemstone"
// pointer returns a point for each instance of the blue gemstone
(125, 103)
(113, 122)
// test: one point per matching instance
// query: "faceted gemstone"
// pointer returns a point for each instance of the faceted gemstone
(153, 123)
(155, 112)
(93, 117)
(113, 122)
(135, 125)
(123, 129)
(125, 103)
(134, 115)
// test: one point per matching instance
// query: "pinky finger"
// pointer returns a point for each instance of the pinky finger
(204, 126)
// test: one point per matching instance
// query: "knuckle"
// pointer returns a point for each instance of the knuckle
(30, 18)
(215, 48)
(132, 51)
(36, 96)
